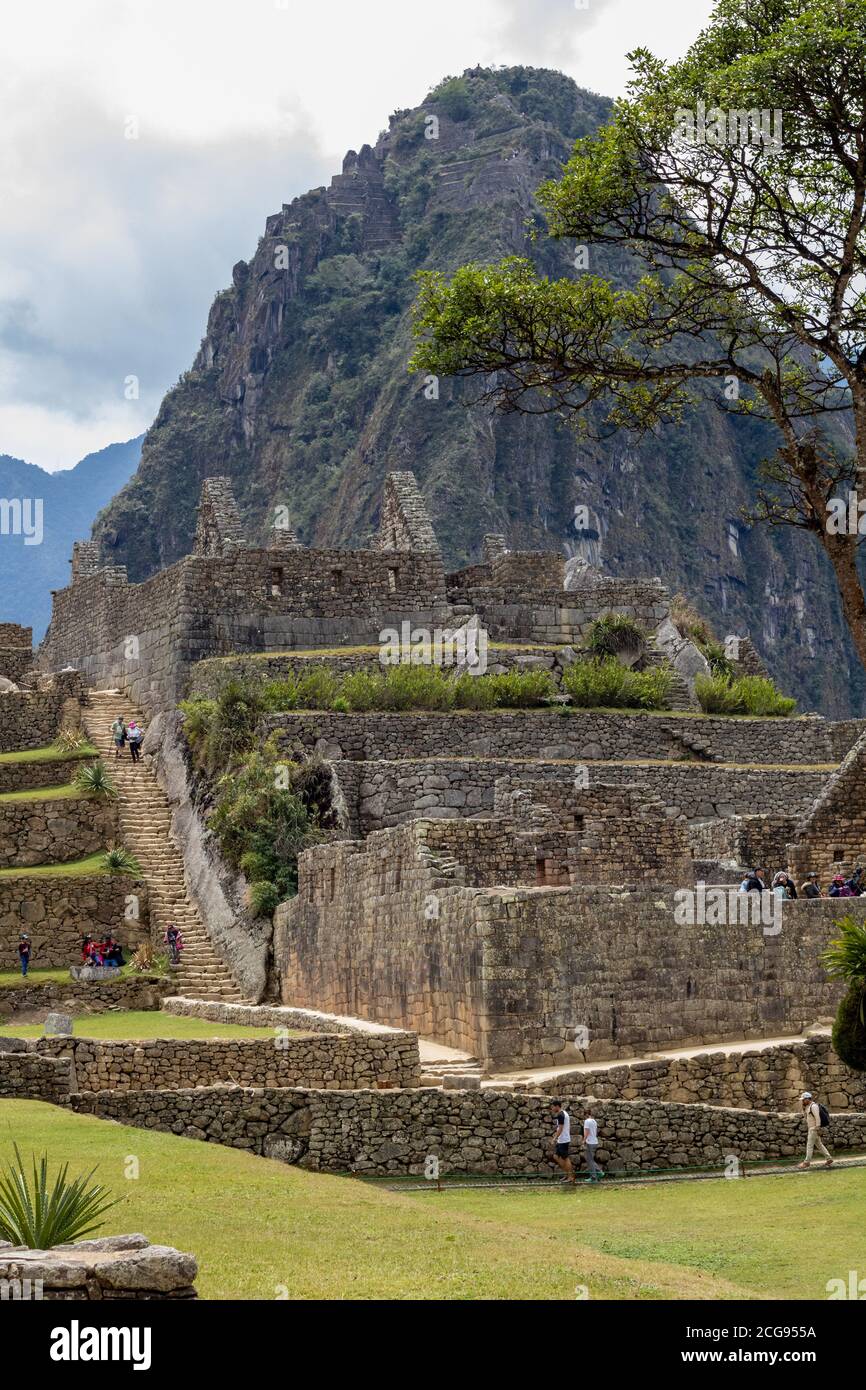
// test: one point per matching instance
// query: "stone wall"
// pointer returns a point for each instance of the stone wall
(770, 1078)
(387, 929)
(27, 1076)
(274, 1016)
(55, 831)
(327, 1062)
(16, 650)
(581, 736)
(386, 792)
(391, 1132)
(140, 993)
(832, 837)
(57, 910)
(747, 841)
(32, 718)
(30, 776)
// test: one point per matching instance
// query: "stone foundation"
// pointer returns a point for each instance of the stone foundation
(113, 1267)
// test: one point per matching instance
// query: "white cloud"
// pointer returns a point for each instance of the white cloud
(112, 249)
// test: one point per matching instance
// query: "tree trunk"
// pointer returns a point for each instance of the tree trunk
(842, 553)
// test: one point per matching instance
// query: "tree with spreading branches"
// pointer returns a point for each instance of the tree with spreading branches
(735, 182)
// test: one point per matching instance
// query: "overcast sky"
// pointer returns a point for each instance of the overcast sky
(112, 248)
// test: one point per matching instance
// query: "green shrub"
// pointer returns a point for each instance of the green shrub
(70, 740)
(719, 663)
(118, 860)
(849, 1027)
(475, 692)
(603, 682)
(261, 824)
(760, 697)
(265, 898)
(755, 695)
(615, 633)
(362, 690)
(93, 779)
(40, 1216)
(520, 689)
(718, 695)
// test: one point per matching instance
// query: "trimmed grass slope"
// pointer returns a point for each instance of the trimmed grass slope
(261, 1230)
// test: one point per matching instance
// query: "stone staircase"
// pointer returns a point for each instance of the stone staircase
(145, 826)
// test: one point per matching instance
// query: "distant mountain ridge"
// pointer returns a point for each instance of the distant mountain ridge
(300, 394)
(68, 503)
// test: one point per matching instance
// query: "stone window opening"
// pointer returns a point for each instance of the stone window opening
(398, 874)
(336, 581)
(311, 891)
(393, 575)
(276, 583)
(332, 884)
(838, 856)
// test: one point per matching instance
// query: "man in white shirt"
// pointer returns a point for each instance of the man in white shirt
(562, 1140)
(590, 1140)
(813, 1135)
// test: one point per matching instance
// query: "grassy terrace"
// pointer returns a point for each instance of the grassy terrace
(64, 793)
(134, 1025)
(77, 868)
(256, 1225)
(51, 753)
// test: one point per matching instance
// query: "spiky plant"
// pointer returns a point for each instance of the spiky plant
(93, 779)
(39, 1215)
(615, 633)
(118, 860)
(70, 740)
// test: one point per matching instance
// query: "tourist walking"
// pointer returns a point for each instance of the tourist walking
(174, 942)
(118, 733)
(135, 738)
(562, 1141)
(25, 950)
(590, 1143)
(817, 1119)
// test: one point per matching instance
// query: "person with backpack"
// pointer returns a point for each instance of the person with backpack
(817, 1118)
(118, 733)
(590, 1143)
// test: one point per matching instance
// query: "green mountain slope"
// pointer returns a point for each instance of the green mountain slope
(300, 394)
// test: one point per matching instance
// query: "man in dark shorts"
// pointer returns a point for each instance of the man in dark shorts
(562, 1140)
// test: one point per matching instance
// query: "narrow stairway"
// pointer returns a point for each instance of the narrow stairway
(145, 828)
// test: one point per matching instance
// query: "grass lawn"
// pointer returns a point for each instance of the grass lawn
(255, 1225)
(52, 753)
(13, 979)
(77, 868)
(63, 793)
(143, 1024)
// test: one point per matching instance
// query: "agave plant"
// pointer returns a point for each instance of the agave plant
(118, 860)
(95, 781)
(615, 633)
(70, 739)
(39, 1215)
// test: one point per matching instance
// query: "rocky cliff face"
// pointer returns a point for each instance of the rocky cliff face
(300, 394)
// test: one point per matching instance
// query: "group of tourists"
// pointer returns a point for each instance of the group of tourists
(105, 952)
(817, 1118)
(783, 885)
(131, 734)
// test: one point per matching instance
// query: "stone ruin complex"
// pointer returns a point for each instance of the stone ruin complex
(504, 883)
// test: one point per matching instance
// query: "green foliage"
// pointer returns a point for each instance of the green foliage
(755, 695)
(40, 1215)
(407, 687)
(720, 664)
(219, 731)
(262, 824)
(94, 780)
(849, 1027)
(453, 97)
(615, 633)
(265, 898)
(845, 957)
(119, 861)
(603, 682)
